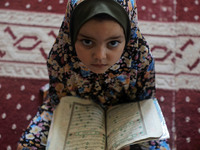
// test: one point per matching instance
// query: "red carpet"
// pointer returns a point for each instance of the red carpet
(172, 29)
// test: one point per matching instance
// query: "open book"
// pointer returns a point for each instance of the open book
(80, 124)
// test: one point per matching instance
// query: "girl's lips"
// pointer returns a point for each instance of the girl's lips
(99, 65)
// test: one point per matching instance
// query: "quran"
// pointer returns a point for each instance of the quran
(80, 124)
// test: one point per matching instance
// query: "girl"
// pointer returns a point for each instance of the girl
(99, 54)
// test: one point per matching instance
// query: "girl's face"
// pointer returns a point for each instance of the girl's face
(100, 44)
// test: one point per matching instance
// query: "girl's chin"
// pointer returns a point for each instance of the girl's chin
(99, 71)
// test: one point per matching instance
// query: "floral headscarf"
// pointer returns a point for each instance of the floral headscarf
(132, 78)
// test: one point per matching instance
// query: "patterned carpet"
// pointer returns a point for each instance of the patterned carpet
(171, 27)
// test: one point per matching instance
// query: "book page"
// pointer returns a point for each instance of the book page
(132, 122)
(163, 122)
(151, 118)
(78, 125)
(124, 123)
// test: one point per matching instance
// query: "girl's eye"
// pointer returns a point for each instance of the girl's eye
(113, 43)
(87, 42)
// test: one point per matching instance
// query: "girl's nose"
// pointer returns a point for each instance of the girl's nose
(100, 53)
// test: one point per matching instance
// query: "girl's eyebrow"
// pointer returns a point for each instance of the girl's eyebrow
(85, 36)
(115, 37)
(109, 38)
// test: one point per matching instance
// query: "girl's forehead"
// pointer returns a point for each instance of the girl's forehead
(109, 27)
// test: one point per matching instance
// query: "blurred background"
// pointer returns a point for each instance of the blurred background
(172, 28)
